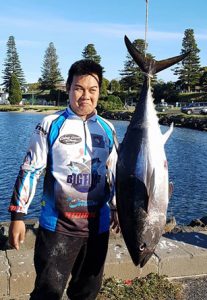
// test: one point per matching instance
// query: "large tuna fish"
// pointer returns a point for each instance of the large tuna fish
(142, 170)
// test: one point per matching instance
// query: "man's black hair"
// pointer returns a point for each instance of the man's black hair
(84, 67)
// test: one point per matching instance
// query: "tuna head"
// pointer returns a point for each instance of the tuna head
(145, 245)
(146, 238)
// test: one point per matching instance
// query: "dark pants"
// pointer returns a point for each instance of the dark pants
(57, 256)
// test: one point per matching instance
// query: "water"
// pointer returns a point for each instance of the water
(186, 151)
(15, 133)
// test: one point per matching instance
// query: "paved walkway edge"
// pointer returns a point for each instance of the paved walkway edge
(177, 255)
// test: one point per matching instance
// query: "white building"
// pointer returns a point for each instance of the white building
(4, 98)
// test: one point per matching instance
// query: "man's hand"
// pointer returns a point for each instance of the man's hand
(114, 221)
(16, 233)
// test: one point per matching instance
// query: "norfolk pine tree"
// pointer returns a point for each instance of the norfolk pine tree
(50, 71)
(12, 65)
(15, 94)
(203, 78)
(89, 52)
(189, 69)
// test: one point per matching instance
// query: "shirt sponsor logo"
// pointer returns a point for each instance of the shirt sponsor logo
(70, 139)
(15, 208)
(40, 130)
(81, 203)
(80, 215)
(83, 182)
(84, 176)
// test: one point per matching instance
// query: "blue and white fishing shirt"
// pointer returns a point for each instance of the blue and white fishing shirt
(79, 158)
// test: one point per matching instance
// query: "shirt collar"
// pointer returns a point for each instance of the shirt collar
(72, 114)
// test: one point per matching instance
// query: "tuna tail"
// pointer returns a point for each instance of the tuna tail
(149, 65)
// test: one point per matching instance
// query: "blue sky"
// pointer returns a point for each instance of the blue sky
(71, 25)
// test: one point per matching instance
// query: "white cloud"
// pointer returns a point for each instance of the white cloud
(201, 36)
(28, 43)
(23, 43)
(110, 30)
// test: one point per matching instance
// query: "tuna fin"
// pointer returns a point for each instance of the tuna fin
(149, 65)
(167, 134)
(151, 189)
(170, 189)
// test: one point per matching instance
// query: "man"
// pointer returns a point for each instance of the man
(77, 149)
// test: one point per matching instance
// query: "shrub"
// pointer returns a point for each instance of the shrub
(151, 287)
(15, 94)
(110, 102)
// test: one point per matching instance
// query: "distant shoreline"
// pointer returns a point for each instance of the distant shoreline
(38, 109)
(197, 122)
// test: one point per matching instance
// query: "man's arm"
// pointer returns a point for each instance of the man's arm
(25, 186)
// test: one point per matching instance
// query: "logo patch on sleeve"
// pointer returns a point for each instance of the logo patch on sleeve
(40, 130)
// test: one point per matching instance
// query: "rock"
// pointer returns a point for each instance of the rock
(204, 220)
(196, 222)
(170, 225)
(3, 239)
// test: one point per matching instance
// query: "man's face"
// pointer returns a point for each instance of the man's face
(84, 94)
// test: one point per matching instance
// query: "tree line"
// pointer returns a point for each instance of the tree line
(190, 74)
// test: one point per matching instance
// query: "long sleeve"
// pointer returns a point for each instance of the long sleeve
(33, 165)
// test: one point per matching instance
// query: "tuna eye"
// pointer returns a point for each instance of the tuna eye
(142, 247)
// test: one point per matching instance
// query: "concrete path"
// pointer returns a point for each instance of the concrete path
(177, 255)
